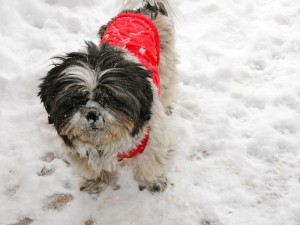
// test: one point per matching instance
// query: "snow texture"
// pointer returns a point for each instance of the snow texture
(236, 119)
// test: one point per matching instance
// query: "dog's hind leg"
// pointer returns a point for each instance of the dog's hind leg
(168, 61)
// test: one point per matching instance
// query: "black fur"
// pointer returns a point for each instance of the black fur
(66, 140)
(126, 91)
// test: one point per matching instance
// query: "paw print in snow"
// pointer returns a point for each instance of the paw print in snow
(25, 221)
(58, 201)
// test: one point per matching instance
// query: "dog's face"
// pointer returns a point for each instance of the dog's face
(97, 97)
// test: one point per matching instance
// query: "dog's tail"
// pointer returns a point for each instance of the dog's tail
(165, 7)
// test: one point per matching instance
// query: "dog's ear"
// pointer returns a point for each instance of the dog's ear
(48, 87)
(45, 100)
(50, 121)
(44, 96)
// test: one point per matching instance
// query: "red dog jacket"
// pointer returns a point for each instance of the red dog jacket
(138, 35)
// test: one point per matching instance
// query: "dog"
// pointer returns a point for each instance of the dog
(110, 103)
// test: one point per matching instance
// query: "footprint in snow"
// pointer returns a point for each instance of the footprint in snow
(48, 157)
(46, 172)
(25, 221)
(58, 201)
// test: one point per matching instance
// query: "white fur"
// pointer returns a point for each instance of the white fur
(168, 61)
(87, 77)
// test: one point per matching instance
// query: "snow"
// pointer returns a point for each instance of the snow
(236, 119)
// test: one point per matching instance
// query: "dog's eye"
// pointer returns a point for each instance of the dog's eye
(82, 102)
(77, 101)
(104, 97)
(104, 100)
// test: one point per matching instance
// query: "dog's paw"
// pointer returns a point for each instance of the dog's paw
(156, 186)
(93, 186)
(142, 187)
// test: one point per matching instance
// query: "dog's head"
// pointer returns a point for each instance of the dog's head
(98, 96)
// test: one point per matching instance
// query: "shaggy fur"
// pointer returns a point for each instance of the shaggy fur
(102, 101)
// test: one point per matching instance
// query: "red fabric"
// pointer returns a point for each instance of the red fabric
(137, 34)
(137, 150)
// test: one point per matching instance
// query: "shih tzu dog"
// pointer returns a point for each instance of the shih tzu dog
(110, 103)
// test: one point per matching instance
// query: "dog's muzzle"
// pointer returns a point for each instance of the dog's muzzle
(93, 118)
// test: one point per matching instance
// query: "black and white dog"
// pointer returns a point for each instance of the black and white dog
(109, 103)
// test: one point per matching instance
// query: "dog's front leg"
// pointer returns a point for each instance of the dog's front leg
(149, 172)
(88, 162)
(95, 186)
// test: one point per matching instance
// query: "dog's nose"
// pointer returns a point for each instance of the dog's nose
(92, 116)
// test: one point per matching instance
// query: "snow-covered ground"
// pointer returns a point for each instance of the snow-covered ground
(236, 119)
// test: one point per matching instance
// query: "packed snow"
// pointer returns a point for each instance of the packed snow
(236, 118)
